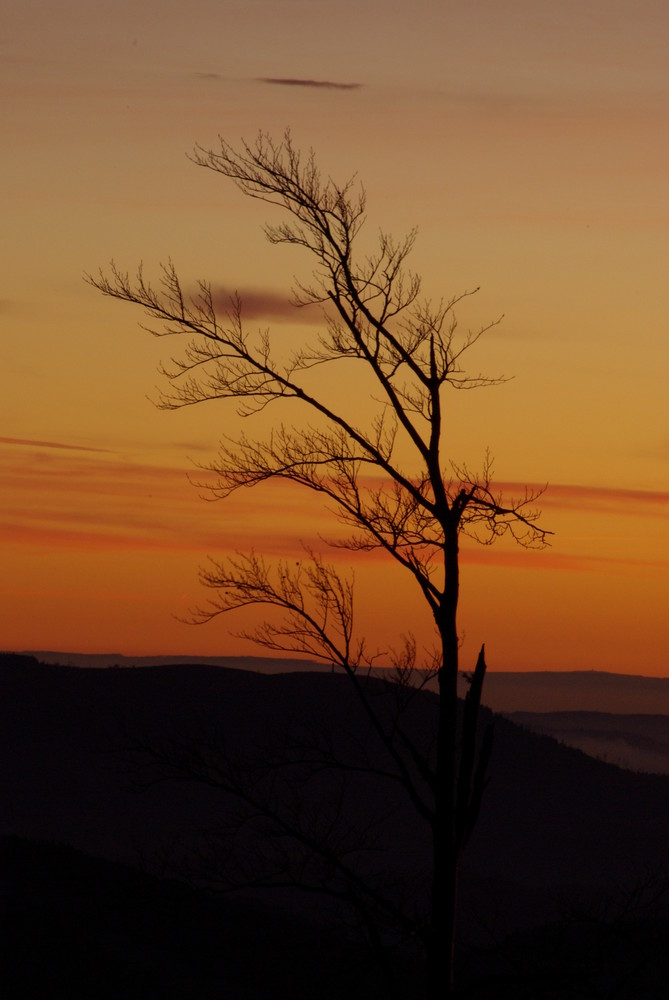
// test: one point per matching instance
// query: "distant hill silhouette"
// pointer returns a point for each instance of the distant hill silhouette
(576, 691)
(504, 691)
(557, 828)
(263, 664)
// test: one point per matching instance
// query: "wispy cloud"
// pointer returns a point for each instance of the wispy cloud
(570, 496)
(289, 81)
(33, 443)
(555, 562)
(70, 497)
(63, 500)
(258, 303)
(599, 499)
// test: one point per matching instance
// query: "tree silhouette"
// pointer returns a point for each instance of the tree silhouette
(387, 477)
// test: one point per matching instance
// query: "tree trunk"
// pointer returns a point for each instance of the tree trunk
(441, 937)
(441, 941)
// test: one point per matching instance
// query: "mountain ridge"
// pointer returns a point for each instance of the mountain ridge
(504, 691)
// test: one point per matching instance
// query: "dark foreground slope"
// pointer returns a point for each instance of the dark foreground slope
(559, 832)
(78, 927)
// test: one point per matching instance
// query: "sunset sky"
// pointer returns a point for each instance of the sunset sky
(527, 140)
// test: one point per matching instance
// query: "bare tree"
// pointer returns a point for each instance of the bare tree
(387, 477)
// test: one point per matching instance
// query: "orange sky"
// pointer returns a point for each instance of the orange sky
(528, 141)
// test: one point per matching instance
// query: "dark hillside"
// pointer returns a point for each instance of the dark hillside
(556, 826)
(78, 927)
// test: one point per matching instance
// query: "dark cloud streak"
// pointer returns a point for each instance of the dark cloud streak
(283, 81)
(288, 81)
(32, 443)
(258, 303)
